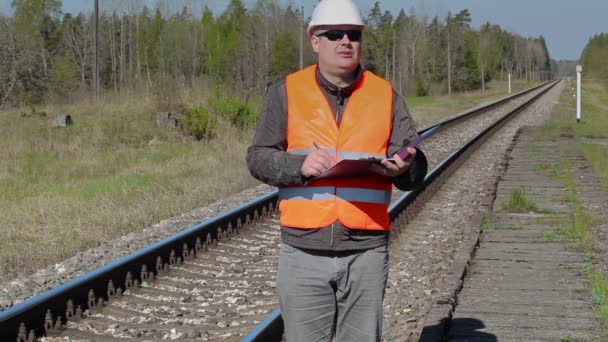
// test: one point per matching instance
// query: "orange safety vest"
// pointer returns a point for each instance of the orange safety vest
(364, 131)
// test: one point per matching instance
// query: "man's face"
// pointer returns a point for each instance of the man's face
(337, 55)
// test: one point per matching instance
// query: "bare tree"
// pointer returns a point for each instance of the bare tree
(9, 61)
(77, 41)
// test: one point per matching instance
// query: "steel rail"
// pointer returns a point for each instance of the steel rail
(475, 110)
(47, 312)
(34, 317)
(271, 328)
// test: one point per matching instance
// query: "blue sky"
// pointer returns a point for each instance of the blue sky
(566, 25)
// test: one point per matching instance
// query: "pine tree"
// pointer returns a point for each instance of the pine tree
(284, 59)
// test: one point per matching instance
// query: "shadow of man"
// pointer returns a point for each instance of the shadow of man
(457, 330)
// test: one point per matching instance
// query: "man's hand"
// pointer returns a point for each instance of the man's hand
(316, 162)
(397, 167)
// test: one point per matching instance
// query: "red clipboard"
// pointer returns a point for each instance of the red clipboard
(348, 168)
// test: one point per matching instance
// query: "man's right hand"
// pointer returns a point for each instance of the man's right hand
(316, 162)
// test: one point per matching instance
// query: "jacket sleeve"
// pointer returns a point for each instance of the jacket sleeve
(267, 158)
(403, 132)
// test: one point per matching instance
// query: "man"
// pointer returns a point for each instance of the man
(333, 263)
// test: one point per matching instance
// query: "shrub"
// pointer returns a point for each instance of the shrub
(199, 122)
(236, 111)
(421, 88)
(33, 113)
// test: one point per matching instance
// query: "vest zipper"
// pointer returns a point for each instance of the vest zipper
(331, 238)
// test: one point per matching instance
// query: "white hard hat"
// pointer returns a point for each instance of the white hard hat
(335, 12)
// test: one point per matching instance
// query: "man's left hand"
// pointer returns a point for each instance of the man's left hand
(395, 167)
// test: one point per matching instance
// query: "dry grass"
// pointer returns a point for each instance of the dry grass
(111, 173)
(592, 131)
(577, 230)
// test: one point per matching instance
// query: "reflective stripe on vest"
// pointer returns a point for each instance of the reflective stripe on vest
(364, 132)
(341, 154)
(328, 193)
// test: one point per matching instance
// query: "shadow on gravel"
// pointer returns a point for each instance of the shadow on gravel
(458, 330)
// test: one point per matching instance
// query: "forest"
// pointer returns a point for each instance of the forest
(49, 56)
(594, 57)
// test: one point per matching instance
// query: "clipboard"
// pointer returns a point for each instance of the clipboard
(348, 168)
(403, 152)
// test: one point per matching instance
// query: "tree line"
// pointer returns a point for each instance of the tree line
(47, 54)
(594, 57)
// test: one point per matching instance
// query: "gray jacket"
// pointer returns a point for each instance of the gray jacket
(268, 162)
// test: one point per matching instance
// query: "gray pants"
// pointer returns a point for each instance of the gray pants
(332, 294)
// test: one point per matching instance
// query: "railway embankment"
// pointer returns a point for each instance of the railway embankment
(539, 271)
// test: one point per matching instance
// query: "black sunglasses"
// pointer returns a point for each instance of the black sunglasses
(333, 35)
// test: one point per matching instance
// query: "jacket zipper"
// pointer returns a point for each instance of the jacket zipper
(340, 100)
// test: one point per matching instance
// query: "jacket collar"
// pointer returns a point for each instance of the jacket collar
(333, 89)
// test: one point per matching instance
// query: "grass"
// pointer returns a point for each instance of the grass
(488, 222)
(574, 230)
(534, 148)
(520, 202)
(597, 156)
(599, 292)
(594, 127)
(112, 172)
(541, 167)
(594, 104)
(554, 219)
(577, 231)
(592, 131)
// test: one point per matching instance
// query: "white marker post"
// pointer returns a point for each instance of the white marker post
(509, 82)
(579, 69)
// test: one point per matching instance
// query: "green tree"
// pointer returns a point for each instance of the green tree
(462, 57)
(489, 52)
(154, 48)
(284, 58)
(37, 24)
(546, 64)
(372, 52)
(378, 40)
(37, 18)
(594, 57)
(224, 37)
(207, 23)
(162, 51)
(468, 71)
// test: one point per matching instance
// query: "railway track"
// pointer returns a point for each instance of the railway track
(214, 280)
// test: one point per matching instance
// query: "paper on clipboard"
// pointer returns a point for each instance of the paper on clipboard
(349, 168)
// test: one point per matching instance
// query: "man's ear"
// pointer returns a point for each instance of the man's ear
(314, 42)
